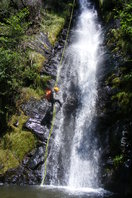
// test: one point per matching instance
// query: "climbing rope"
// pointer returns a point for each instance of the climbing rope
(54, 108)
(63, 52)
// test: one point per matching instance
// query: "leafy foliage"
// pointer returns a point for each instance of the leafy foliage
(4, 8)
(12, 63)
(119, 41)
(52, 24)
(13, 28)
(16, 68)
(126, 20)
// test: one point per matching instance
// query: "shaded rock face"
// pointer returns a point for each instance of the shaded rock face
(114, 128)
(113, 123)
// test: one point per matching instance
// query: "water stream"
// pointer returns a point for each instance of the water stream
(74, 154)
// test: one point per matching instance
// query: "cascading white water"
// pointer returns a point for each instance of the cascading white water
(73, 158)
(84, 169)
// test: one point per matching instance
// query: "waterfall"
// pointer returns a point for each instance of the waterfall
(74, 153)
(84, 155)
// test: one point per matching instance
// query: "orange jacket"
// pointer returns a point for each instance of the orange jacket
(48, 94)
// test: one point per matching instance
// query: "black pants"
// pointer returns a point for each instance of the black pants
(54, 101)
(48, 118)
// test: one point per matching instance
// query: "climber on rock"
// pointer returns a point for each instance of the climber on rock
(50, 96)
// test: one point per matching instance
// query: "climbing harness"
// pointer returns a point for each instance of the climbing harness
(54, 108)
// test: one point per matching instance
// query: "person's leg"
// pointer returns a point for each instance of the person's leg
(59, 102)
(47, 119)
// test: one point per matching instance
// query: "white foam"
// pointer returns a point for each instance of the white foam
(73, 190)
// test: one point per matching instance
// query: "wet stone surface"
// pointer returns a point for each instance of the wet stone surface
(37, 111)
(29, 172)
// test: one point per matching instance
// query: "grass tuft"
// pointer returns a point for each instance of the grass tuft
(52, 24)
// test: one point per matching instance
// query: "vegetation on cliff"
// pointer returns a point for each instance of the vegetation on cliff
(22, 57)
(118, 21)
(117, 15)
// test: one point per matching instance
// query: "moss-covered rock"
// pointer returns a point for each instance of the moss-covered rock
(52, 24)
(37, 59)
(15, 144)
(19, 143)
(7, 160)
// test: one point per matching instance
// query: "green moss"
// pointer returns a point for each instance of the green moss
(27, 93)
(122, 97)
(16, 118)
(118, 160)
(128, 77)
(115, 33)
(13, 148)
(37, 59)
(19, 143)
(7, 160)
(124, 100)
(52, 24)
(110, 78)
(16, 144)
(116, 82)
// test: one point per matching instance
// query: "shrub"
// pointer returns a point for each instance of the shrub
(126, 20)
(13, 28)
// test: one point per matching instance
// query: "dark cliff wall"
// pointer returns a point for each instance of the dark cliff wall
(115, 96)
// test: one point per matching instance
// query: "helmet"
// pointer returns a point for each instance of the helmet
(56, 89)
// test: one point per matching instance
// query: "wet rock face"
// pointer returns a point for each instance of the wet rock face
(30, 170)
(71, 104)
(37, 111)
(37, 159)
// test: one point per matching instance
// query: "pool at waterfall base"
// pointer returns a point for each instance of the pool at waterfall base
(54, 192)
